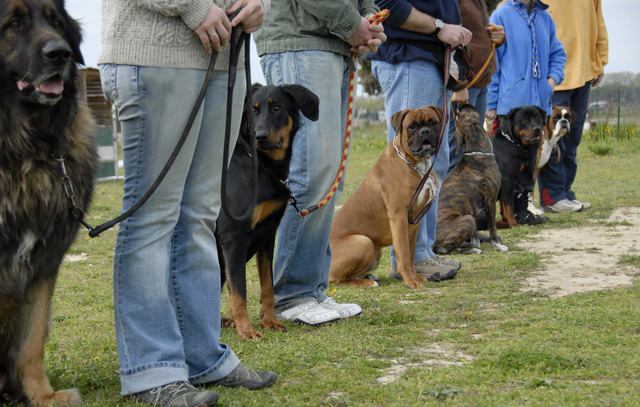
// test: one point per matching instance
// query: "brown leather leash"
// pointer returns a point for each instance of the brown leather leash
(444, 121)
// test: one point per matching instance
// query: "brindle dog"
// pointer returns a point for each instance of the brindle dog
(42, 126)
(467, 200)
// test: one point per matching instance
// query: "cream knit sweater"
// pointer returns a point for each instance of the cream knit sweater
(158, 33)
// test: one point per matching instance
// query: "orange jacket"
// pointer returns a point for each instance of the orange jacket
(581, 29)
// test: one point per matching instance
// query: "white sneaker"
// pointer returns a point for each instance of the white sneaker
(565, 205)
(345, 310)
(309, 313)
(531, 207)
(585, 205)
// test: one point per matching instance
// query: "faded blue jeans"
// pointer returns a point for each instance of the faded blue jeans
(303, 257)
(409, 85)
(166, 278)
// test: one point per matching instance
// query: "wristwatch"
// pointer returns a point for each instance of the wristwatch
(439, 26)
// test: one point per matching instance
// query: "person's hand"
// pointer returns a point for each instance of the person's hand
(454, 35)
(551, 82)
(461, 96)
(491, 115)
(250, 18)
(377, 38)
(596, 81)
(496, 32)
(215, 30)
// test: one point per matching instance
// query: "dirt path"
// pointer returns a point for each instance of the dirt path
(586, 258)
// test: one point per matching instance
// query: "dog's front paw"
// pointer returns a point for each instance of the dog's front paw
(66, 398)
(247, 332)
(273, 324)
(414, 280)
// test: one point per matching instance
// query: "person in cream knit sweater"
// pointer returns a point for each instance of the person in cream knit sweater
(166, 274)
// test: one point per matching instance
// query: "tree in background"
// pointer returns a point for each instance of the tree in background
(369, 82)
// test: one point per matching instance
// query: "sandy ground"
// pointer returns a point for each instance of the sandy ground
(586, 258)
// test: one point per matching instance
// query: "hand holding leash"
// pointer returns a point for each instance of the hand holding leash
(250, 17)
(215, 30)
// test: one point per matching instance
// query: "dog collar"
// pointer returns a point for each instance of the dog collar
(480, 153)
(507, 137)
(421, 172)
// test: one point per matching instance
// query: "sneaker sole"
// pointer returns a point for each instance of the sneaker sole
(301, 322)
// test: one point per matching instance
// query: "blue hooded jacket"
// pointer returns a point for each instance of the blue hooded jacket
(523, 65)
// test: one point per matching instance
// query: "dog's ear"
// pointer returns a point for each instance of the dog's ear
(72, 33)
(306, 101)
(439, 112)
(398, 118)
(255, 87)
(506, 121)
(543, 114)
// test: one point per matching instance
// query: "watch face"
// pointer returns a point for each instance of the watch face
(439, 23)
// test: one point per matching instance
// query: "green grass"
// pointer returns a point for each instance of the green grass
(527, 349)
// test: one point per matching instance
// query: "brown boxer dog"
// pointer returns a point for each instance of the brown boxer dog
(558, 126)
(467, 201)
(376, 215)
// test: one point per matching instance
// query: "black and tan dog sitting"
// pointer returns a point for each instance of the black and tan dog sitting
(276, 114)
(468, 197)
(518, 135)
(376, 215)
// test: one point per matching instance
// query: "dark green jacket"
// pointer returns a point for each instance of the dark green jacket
(302, 25)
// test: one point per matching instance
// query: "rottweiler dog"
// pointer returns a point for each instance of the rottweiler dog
(376, 215)
(518, 135)
(468, 197)
(46, 132)
(276, 119)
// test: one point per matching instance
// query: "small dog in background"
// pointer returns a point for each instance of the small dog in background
(468, 196)
(519, 132)
(276, 116)
(558, 126)
(376, 215)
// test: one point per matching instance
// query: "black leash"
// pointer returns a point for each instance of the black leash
(237, 39)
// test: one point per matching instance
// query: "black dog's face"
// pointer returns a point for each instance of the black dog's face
(275, 116)
(526, 123)
(561, 120)
(39, 45)
(419, 130)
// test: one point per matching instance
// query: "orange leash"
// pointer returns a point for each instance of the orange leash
(375, 19)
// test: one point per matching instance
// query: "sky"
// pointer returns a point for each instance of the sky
(622, 18)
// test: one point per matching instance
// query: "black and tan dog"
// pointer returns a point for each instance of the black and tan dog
(519, 133)
(467, 201)
(43, 127)
(276, 115)
(376, 215)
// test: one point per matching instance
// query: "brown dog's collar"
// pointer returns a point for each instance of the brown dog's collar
(421, 172)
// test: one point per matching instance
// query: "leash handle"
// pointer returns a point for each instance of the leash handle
(375, 19)
(445, 119)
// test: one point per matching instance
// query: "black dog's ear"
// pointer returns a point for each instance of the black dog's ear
(306, 101)
(255, 87)
(72, 33)
(398, 118)
(506, 121)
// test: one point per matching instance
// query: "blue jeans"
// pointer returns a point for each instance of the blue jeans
(303, 257)
(556, 178)
(477, 98)
(166, 278)
(409, 85)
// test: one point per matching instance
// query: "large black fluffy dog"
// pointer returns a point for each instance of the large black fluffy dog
(276, 113)
(42, 128)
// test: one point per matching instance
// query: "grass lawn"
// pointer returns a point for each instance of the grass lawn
(478, 340)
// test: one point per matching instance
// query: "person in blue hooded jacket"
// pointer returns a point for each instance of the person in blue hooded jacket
(529, 65)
